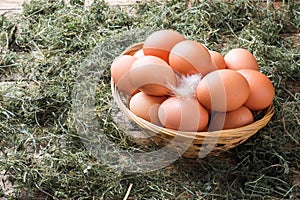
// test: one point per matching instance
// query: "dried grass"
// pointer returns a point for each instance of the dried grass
(43, 157)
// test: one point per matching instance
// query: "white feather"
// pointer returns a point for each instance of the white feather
(187, 85)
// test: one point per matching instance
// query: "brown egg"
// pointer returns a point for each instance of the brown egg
(240, 58)
(189, 57)
(120, 74)
(139, 53)
(233, 119)
(146, 106)
(161, 42)
(203, 46)
(261, 90)
(185, 114)
(223, 90)
(217, 59)
(152, 75)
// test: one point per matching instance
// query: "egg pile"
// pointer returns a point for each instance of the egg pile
(180, 84)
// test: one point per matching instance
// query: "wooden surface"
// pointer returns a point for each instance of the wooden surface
(15, 6)
(11, 6)
(121, 2)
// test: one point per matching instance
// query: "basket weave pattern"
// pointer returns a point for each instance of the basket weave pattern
(215, 142)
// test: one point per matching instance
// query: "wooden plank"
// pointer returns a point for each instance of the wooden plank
(12, 6)
(120, 2)
(15, 90)
(15, 6)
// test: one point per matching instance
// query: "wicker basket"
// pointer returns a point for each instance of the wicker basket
(201, 144)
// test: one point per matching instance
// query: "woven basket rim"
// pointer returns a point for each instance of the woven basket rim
(227, 133)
